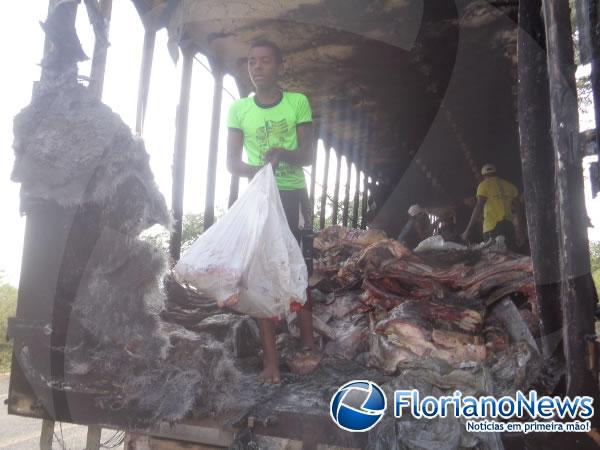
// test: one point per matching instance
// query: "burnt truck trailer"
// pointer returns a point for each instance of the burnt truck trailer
(415, 95)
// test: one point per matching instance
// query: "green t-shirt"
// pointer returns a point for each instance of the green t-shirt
(274, 126)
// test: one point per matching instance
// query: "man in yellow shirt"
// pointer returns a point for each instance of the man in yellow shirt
(495, 197)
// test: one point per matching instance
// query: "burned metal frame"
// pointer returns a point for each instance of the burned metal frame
(347, 184)
(355, 200)
(578, 295)
(213, 147)
(336, 188)
(179, 154)
(98, 69)
(561, 266)
(324, 187)
(144, 83)
(537, 188)
(538, 169)
(551, 161)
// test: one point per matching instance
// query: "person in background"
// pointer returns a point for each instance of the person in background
(417, 228)
(496, 198)
(274, 126)
(463, 209)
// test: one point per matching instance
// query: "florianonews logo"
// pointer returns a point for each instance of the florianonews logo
(358, 405)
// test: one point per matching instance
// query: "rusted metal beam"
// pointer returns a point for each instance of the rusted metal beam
(365, 164)
(234, 189)
(144, 84)
(94, 434)
(336, 188)
(47, 43)
(347, 191)
(213, 148)
(234, 184)
(324, 189)
(538, 165)
(578, 296)
(365, 198)
(47, 434)
(61, 56)
(98, 69)
(179, 154)
(356, 200)
(313, 171)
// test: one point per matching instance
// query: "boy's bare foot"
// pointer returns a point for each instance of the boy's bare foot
(305, 362)
(270, 375)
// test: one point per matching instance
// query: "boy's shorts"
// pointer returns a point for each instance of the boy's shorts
(291, 201)
(291, 206)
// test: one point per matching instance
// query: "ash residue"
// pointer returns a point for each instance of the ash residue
(76, 156)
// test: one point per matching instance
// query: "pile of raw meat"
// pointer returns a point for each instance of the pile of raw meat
(377, 302)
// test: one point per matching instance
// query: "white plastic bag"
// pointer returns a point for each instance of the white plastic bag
(437, 242)
(249, 260)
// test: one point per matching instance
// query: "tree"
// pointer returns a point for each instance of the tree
(595, 262)
(8, 308)
(192, 227)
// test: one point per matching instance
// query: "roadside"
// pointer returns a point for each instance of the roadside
(23, 433)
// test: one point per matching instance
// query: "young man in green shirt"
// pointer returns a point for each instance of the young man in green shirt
(274, 126)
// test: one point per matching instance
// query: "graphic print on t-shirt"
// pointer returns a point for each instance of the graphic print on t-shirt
(273, 134)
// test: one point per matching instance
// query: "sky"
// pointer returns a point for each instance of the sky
(21, 45)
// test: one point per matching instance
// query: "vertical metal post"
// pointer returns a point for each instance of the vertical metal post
(213, 148)
(365, 197)
(356, 200)
(47, 434)
(234, 185)
(578, 297)
(336, 187)
(179, 154)
(324, 191)
(234, 189)
(67, 17)
(47, 43)
(365, 161)
(313, 172)
(144, 84)
(347, 191)
(94, 434)
(538, 165)
(98, 69)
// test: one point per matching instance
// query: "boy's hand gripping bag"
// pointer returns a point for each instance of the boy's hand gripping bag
(249, 260)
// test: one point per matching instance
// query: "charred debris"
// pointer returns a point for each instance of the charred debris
(103, 335)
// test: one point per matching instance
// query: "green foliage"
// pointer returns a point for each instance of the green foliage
(595, 255)
(8, 308)
(192, 227)
(158, 239)
(584, 91)
(340, 211)
(595, 262)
